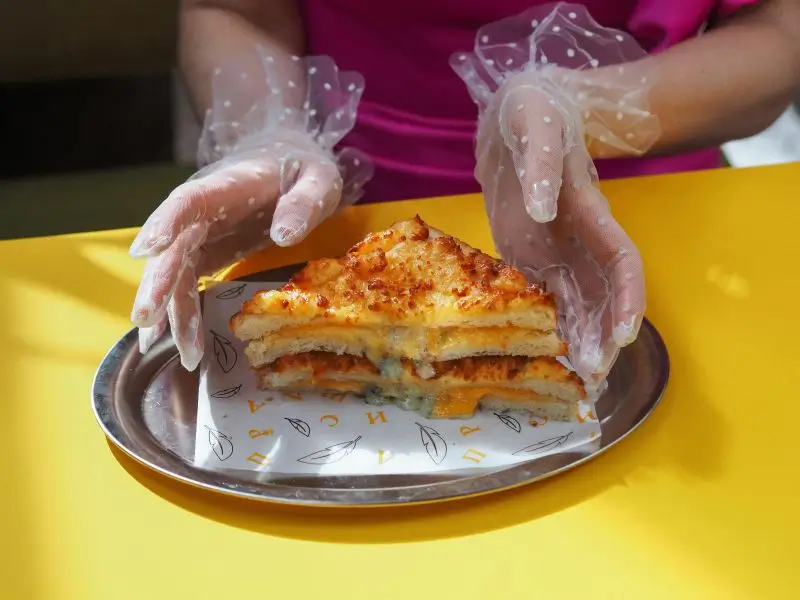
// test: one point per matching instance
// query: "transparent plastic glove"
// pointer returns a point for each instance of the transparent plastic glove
(551, 86)
(273, 177)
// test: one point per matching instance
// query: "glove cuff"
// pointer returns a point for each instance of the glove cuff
(258, 97)
(593, 72)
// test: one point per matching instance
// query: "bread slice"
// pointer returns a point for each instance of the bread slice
(409, 275)
(406, 309)
(427, 344)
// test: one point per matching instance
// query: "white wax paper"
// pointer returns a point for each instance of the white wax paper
(241, 427)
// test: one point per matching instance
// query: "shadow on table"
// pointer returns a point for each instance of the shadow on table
(381, 525)
(385, 525)
(82, 269)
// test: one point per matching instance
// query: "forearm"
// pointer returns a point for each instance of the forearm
(214, 32)
(729, 83)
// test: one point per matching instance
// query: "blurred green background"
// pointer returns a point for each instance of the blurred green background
(85, 113)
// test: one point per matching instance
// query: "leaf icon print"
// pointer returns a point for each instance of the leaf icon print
(227, 392)
(301, 426)
(221, 444)
(232, 293)
(542, 446)
(331, 454)
(433, 442)
(509, 422)
(225, 352)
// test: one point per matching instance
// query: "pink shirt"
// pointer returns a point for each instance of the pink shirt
(417, 120)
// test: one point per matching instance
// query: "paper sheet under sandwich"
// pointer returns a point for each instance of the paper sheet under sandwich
(241, 427)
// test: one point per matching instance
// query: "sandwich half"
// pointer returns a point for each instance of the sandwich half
(414, 317)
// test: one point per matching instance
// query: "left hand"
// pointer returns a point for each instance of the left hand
(551, 84)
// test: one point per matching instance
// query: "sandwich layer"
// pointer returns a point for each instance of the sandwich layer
(416, 317)
(448, 389)
(415, 343)
(409, 275)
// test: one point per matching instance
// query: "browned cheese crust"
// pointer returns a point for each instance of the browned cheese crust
(408, 274)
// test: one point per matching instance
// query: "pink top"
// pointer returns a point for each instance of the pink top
(417, 120)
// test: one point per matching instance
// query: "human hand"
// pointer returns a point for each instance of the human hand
(272, 185)
(547, 215)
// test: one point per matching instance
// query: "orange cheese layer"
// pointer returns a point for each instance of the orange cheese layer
(478, 370)
(448, 404)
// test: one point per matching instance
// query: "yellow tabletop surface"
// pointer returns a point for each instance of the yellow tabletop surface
(701, 502)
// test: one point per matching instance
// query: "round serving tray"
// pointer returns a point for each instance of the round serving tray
(147, 406)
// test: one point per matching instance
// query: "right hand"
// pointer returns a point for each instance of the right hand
(276, 192)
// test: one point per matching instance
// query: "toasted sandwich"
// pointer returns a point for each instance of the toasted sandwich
(414, 317)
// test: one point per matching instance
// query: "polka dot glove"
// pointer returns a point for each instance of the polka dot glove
(271, 176)
(550, 89)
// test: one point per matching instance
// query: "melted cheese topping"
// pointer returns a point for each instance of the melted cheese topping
(406, 275)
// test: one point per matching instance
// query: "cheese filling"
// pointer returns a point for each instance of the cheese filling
(415, 343)
(441, 404)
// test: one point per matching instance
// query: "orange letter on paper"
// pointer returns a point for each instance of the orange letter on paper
(473, 455)
(255, 433)
(466, 430)
(333, 418)
(254, 407)
(375, 418)
(258, 458)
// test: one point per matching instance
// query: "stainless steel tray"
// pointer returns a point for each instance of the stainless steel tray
(147, 405)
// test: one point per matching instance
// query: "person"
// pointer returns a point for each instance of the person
(566, 94)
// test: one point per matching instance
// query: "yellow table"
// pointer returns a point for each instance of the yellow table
(702, 502)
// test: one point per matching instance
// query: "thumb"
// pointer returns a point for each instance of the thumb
(313, 197)
(531, 128)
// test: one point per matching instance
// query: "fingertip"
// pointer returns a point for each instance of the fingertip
(626, 331)
(147, 312)
(541, 203)
(149, 336)
(192, 350)
(296, 214)
(288, 232)
(143, 316)
(588, 361)
(145, 339)
(594, 362)
(190, 358)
